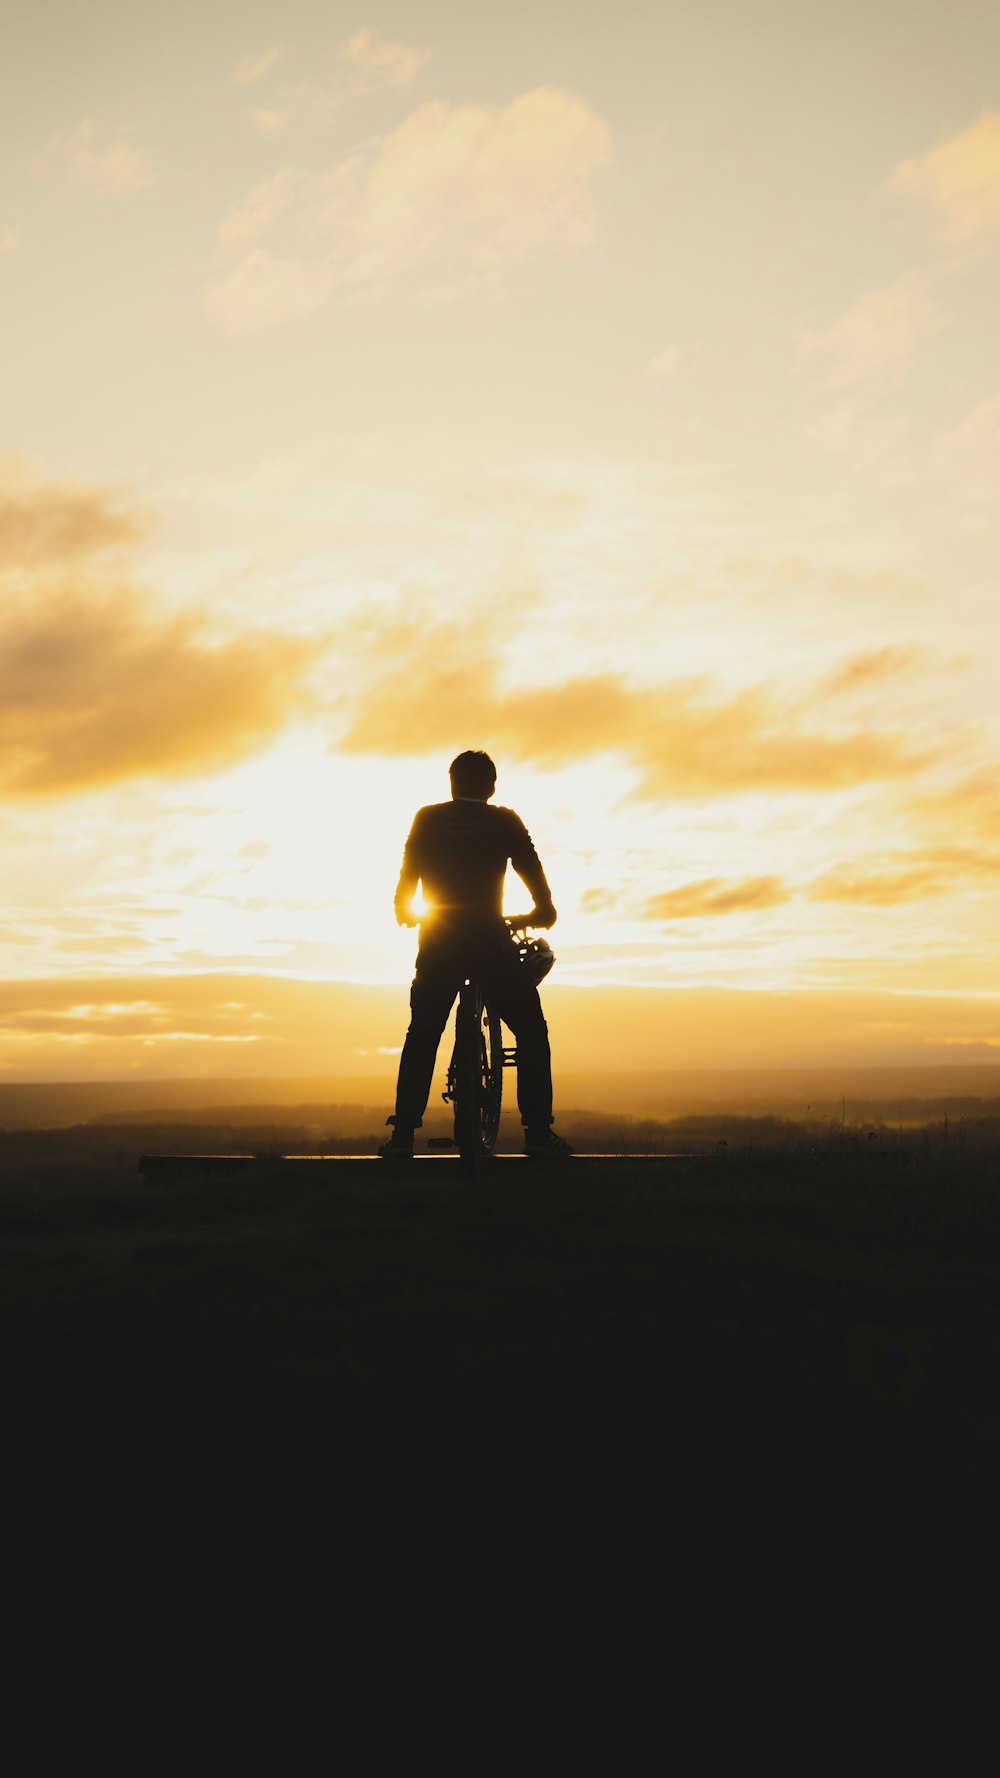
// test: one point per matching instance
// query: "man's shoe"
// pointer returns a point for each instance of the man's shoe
(395, 1150)
(546, 1146)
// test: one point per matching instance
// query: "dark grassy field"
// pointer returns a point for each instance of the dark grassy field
(701, 1454)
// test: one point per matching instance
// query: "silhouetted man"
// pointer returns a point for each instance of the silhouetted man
(458, 852)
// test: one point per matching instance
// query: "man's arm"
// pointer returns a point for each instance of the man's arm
(528, 866)
(409, 877)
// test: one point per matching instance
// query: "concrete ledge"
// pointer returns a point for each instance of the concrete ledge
(156, 1166)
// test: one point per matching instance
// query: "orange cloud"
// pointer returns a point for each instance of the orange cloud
(879, 888)
(970, 807)
(188, 1026)
(712, 896)
(258, 212)
(50, 524)
(871, 345)
(377, 62)
(871, 668)
(94, 695)
(598, 901)
(367, 63)
(959, 178)
(444, 691)
(453, 200)
(912, 877)
(220, 1024)
(93, 689)
(94, 158)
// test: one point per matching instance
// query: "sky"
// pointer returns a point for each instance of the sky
(617, 390)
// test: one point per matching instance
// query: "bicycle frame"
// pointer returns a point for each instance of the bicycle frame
(475, 1075)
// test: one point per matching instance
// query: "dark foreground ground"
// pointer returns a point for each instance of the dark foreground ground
(689, 1463)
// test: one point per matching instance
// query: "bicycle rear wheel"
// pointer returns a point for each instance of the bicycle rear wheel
(478, 1066)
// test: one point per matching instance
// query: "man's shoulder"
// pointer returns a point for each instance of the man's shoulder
(463, 817)
(457, 807)
(435, 816)
(501, 820)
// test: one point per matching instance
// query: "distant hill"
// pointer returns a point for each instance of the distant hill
(893, 1095)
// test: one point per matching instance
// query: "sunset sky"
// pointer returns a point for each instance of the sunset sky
(614, 388)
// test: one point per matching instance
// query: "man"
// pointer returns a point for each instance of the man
(458, 853)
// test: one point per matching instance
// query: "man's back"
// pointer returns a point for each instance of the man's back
(459, 851)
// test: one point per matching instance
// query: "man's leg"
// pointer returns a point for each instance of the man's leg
(513, 994)
(435, 985)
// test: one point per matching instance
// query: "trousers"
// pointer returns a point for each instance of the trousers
(444, 961)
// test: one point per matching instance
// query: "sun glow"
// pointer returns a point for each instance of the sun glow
(472, 402)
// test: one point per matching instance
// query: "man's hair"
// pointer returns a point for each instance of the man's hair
(472, 774)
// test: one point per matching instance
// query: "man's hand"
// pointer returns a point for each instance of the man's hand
(405, 918)
(543, 916)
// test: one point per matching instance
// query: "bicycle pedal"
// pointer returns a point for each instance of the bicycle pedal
(440, 1141)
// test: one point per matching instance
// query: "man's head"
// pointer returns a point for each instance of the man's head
(473, 774)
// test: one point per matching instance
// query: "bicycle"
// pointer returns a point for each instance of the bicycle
(474, 1086)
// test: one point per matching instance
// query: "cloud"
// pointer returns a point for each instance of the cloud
(95, 694)
(253, 67)
(879, 888)
(870, 347)
(258, 212)
(94, 689)
(598, 901)
(960, 179)
(910, 877)
(376, 63)
(342, 1027)
(444, 689)
(367, 63)
(263, 292)
(712, 896)
(154, 1007)
(900, 878)
(969, 808)
(94, 159)
(149, 1018)
(456, 199)
(872, 668)
(57, 525)
(8, 240)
